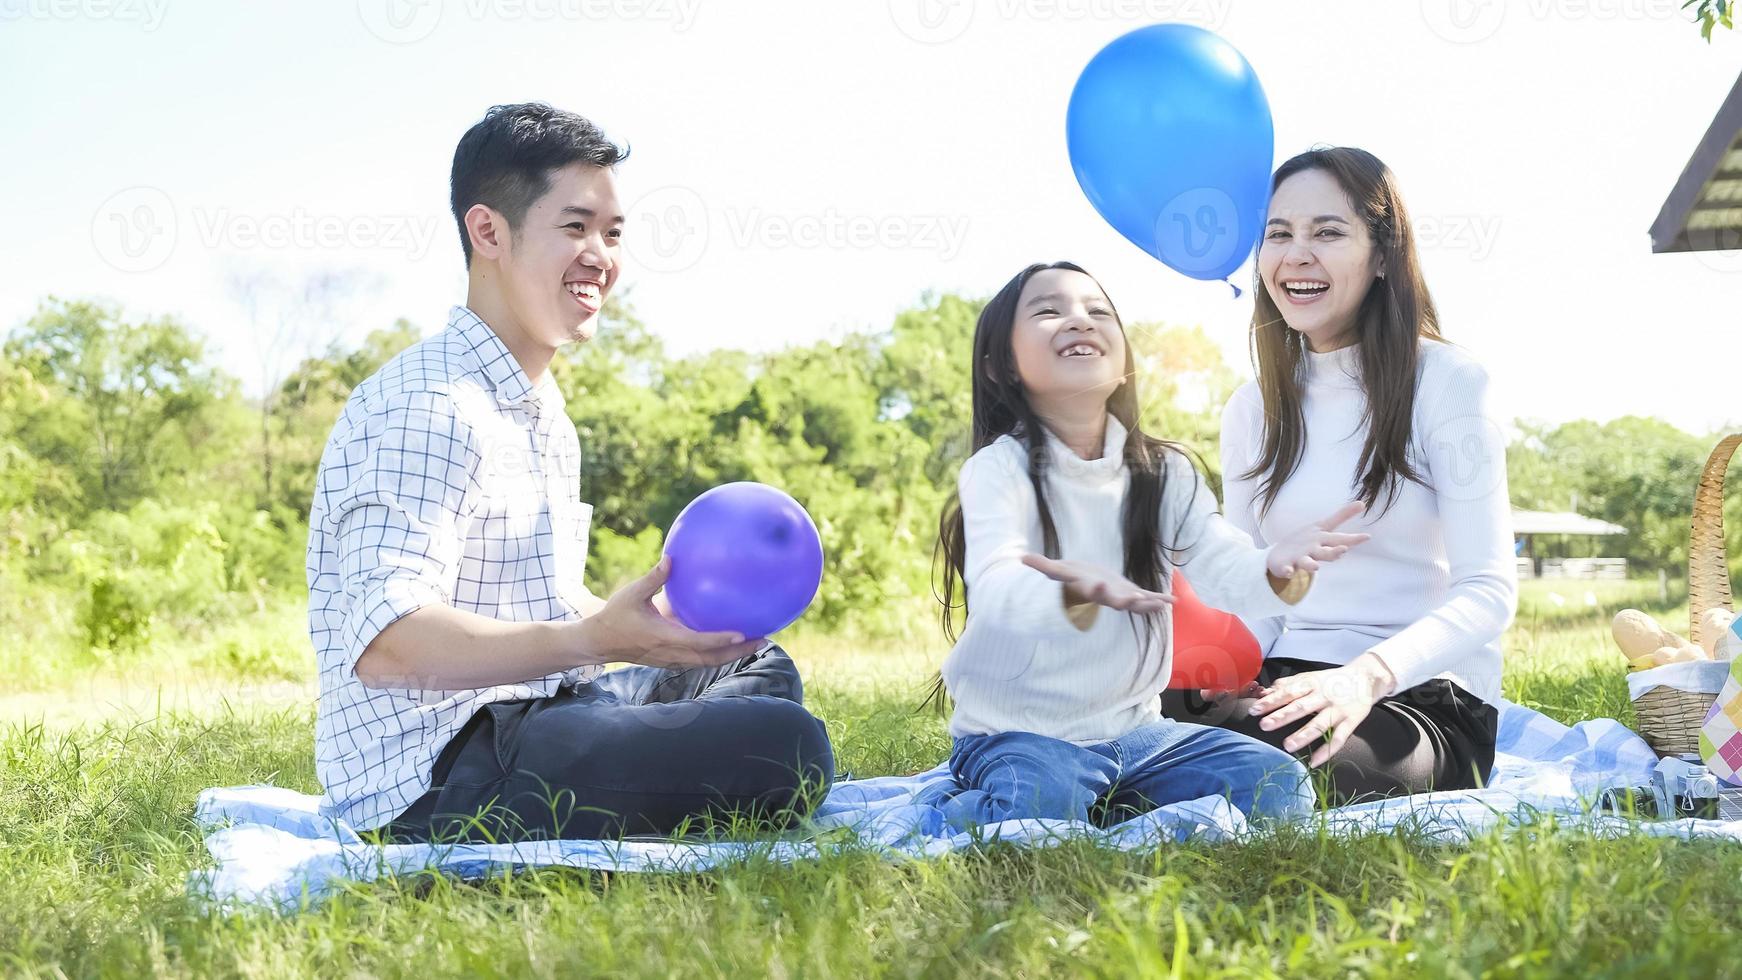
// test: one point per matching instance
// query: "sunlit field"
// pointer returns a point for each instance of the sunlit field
(103, 761)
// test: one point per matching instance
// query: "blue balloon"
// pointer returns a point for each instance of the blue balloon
(745, 557)
(1171, 139)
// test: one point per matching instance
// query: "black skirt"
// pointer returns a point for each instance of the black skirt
(1433, 736)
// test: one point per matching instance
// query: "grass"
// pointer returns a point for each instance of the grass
(96, 842)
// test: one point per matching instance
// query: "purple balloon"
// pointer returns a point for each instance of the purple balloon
(745, 558)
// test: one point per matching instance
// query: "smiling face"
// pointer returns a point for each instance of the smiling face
(1066, 340)
(1318, 259)
(559, 262)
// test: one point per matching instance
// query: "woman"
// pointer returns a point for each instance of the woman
(1388, 671)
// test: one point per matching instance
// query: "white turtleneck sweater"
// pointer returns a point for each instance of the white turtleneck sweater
(1021, 664)
(1436, 586)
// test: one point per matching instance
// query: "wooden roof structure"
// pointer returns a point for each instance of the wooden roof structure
(1704, 211)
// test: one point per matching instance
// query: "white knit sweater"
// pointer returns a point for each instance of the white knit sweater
(1021, 665)
(1434, 589)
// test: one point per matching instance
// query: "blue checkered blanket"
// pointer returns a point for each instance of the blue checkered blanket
(271, 845)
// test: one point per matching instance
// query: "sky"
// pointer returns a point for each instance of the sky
(802, 169)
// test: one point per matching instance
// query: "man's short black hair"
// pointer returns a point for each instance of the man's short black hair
(505, 160)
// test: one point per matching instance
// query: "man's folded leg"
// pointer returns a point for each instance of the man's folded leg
(768, 672)
(592, 763)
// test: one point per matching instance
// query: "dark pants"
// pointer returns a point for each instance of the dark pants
(1434, 736)
(637, 751)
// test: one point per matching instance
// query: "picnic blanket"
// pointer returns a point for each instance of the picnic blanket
(273, 847)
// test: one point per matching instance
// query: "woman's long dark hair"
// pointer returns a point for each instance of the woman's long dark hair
(1395, 315)
(1000, 408)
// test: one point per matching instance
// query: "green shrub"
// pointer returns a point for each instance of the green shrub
(130, 570)
(116, 616)
(615, 559)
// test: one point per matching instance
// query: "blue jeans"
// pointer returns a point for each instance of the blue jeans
(1013, 775)
(637, 750)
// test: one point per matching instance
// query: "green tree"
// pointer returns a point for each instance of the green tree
(1637, 472)
(1712, 13)
(35, 494)
(656, 432)
(924, 378)
(136, 400)
(1183, 384)
(813, 424)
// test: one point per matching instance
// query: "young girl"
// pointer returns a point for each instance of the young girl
(1067, 519)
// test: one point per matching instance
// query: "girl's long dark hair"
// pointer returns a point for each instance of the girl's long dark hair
(1394, 316)
(1000, 408)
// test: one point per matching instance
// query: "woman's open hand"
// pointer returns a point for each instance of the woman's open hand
(1304, 549)
(1337, 700)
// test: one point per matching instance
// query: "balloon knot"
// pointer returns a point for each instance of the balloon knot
(1235, 288)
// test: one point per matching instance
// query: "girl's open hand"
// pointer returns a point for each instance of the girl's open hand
(1088, 582)
(1306, 548)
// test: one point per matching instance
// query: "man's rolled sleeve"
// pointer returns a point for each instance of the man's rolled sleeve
(399, 491)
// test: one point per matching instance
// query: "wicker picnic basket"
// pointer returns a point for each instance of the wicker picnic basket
(1670, 719)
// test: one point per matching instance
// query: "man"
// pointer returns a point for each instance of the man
(462, 692)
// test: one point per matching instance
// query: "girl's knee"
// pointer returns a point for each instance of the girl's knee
(1016, 801)
(1262, 780)
(1283, 788)
(1024, 776)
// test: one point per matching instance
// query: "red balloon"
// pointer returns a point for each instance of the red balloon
(1212, 649)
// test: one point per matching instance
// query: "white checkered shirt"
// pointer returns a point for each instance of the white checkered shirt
(449, 478)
